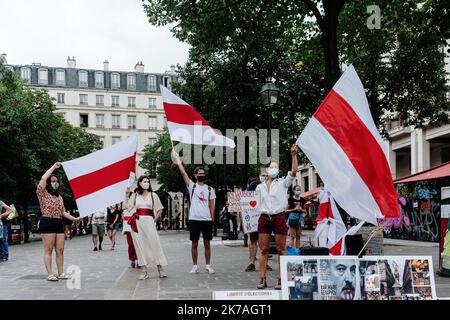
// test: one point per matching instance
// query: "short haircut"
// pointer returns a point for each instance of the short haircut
(197, 169)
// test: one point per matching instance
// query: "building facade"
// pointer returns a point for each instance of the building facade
(111, 104)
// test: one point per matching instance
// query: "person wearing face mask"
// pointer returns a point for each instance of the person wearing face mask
(147, 209)
(51, 223)
(253, 236)
(273, 203)
(201, 212)
(296, 221)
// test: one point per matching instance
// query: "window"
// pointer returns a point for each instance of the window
(61, 98)
(152, 103)
(151, 141)
(83, 78)
(115, 140)
(100, 120)
(132, 101)
(116, 121)
(131, 81)
(60, 77)
(25, 73)
(43, 76)
(167, 82)
(99, 100)
(99, 79)
(115, 101)
(83, 99)
(152, 122)
(151, 82)
(131, 122)
(84, 120)
(115, 80)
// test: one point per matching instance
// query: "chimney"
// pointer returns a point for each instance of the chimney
(139, 67)
(71, 63)
(172, 69)
(106, 65)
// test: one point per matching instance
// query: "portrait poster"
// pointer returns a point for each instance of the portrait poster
(350, 278)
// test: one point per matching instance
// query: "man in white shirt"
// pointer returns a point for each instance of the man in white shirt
(97, 221)
(274, 201)
(201, 212)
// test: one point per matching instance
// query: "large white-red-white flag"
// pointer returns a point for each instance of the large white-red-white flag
(345, 147)
(186, 125)
(99, 179)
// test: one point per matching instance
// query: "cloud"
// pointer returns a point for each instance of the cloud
(47, 31)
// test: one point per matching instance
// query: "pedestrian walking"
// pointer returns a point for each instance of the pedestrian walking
(296, 222)
(165, 223)
(201, 212)
(97, 222)
(273, 203)
(126, 230)
(4, 250)
(148, 209)
(51, 224)
(113, 220)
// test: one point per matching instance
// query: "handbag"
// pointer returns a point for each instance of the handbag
(13, 214)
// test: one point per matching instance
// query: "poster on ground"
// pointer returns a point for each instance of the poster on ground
(350, 278)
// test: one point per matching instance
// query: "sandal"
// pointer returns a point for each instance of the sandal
(262, 283)
(278, 286)
(63, 276)
(143, 276)
(52, 277)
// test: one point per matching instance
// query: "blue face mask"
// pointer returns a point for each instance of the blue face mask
(273, 172)
(297, 193)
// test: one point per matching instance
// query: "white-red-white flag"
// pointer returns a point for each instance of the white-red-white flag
(99, 179)
(346, 149)
(186, 125)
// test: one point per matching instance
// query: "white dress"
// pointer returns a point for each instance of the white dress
(146, 241)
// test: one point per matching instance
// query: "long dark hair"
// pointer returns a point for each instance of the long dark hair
(48, 187)
(139, 189)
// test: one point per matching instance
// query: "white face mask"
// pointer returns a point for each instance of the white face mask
(262, 178)
(55, 185)
(273, 172)
(145, 185)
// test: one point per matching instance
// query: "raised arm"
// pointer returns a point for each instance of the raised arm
(47, 174)
(179, 163)
(7, 210)
(294, 150)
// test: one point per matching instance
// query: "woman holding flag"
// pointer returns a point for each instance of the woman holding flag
(148, 209)
(51, 224)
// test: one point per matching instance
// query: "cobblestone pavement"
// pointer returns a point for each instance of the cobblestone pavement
(105, 274)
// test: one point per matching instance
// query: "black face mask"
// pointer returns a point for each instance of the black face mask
(201, 178)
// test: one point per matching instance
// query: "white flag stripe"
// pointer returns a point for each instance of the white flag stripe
(169, 97)
(355, 96)
(101, 199)
(100, 159)
(344, 184)
(197, 134)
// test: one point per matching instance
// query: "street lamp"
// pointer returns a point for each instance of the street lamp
(269, 96)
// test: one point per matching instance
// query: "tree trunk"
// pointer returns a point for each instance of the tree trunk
(332, 9)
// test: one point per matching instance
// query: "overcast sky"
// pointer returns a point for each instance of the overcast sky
(47, 31)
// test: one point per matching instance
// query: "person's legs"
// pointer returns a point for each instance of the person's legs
(60, 238)
(292, 236)
(49, 240)
(95, 241)
(207, 245)
(4, 251)
(264, 243)
(101, 234)
(298, 236)
(113, 238)
(194, 252)
(280, 230)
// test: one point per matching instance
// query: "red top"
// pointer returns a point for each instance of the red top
(51, 206)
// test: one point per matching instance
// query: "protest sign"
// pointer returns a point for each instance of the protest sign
(350, 278)
(375, 246)
(234, 200)
(250, 211)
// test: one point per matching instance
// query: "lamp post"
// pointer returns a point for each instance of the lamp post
(269, 96)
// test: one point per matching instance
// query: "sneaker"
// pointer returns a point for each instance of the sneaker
(210, 270)
(162, 273)
(194, 269)
(95, 249)
(143, 276)
(250, 267)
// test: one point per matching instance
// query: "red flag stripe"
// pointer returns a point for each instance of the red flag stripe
(102, 178)
(183, 114)
(351, 134)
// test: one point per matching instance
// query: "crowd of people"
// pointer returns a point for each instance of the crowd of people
(141, 211)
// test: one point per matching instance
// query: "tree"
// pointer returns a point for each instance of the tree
(33, 138)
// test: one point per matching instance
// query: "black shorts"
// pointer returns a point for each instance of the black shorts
(253, 236)
(50, 225)
(204, 227)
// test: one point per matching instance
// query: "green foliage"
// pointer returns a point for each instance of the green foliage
(33, 137)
